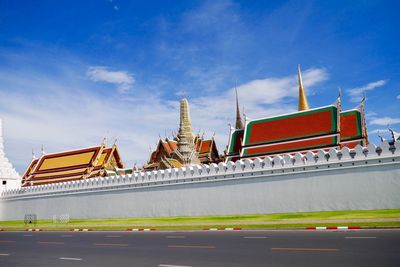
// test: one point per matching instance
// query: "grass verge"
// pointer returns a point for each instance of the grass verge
(364, 218)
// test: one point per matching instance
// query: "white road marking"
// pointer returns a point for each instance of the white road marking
(113, 236)
(70, 259)
(27, 235)
(168, 265)
(255, 237)
(66, 236)
(360, 237)
(4, 254)
(175, 236)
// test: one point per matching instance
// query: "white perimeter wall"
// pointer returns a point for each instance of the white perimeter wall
(364, 178)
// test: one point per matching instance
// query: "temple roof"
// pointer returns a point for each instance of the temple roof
(72, 165)
(206, 149)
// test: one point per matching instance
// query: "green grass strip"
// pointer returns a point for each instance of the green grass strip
(367, 218)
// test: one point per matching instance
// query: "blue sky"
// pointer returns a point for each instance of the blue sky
(73, 72)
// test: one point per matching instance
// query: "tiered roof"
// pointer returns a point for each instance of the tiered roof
(206, 149)
(73, 165)
(307, 129)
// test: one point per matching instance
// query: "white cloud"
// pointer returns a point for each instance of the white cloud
(398, 97)
(122, 79)
(384, 121)
(356, 94)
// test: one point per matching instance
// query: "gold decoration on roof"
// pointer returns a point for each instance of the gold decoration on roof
(303, 103)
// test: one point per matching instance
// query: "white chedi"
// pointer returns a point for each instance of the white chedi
(9, 178)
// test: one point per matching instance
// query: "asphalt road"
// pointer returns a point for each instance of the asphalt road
(202, 248)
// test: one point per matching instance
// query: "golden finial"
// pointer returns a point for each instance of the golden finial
(303, 103)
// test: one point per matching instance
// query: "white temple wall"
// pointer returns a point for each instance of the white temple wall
(363, 178)
(9, 183)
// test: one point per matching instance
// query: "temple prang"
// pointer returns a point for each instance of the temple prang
(186, 153)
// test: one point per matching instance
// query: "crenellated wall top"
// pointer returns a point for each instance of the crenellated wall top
(296, 162)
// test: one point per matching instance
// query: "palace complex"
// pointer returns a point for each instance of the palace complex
(9, 177)
(308, 129)
(74, 165)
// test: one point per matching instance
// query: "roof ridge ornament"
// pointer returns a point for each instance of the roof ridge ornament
(303, 103)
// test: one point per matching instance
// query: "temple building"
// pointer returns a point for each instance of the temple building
(74, 165)
(9, 178)
(184, 149)
(307, 129)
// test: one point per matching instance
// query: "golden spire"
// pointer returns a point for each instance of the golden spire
(303, 103)
(239, 122)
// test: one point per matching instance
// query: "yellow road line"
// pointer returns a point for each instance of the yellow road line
(307, 249)
(189, 246)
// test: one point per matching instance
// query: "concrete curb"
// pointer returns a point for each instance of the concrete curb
(221, 229)
(140, 230)
(333, 227)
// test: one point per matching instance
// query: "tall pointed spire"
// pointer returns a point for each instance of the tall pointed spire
(239, 122)
(303, 103)
(185, 125)
(186, 152)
